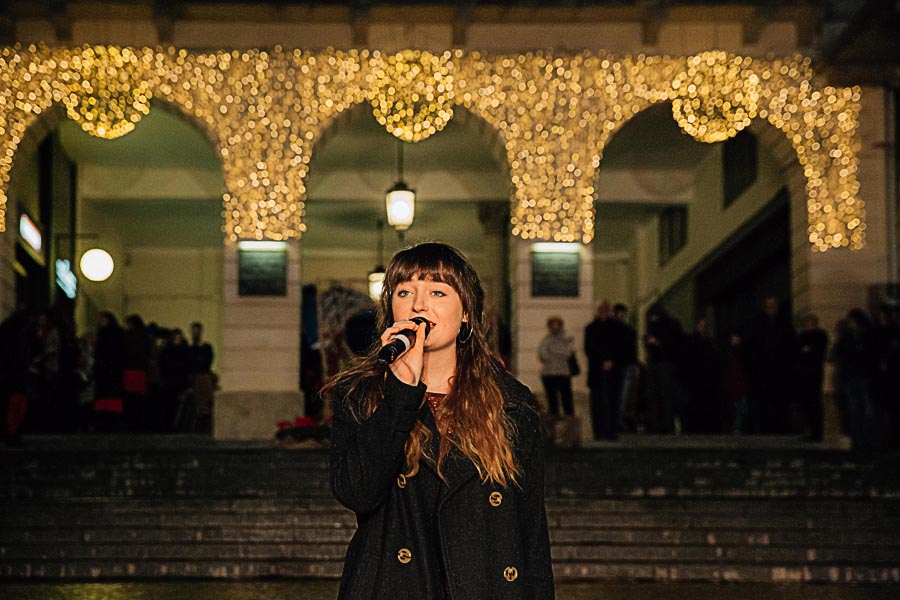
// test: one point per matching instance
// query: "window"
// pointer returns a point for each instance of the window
(738, 166)
(673, 231)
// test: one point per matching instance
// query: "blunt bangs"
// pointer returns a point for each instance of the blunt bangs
(431, 262)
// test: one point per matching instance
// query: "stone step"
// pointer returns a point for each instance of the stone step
(594, 473)
(278, 505)
(98, 570)
(62, 517)
(180, 535)
(835, 518)
(318, 551)
(823, 574)
(156, 508)
(301, 534)
(108, 514)
(563, 570)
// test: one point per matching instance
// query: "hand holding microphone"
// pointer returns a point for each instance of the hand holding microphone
(403, 341)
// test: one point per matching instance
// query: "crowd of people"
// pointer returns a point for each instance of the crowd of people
(135, 378)
(765, 379)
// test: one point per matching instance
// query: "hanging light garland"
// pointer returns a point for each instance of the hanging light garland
(107, 90)
(716, 96)
(412, 92)
(264, 112)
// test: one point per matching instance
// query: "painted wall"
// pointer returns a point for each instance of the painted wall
(163, 279)
(709, 225)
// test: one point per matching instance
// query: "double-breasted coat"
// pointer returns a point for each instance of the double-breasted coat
(417, 534)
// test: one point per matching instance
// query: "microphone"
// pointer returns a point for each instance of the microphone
(403, 342)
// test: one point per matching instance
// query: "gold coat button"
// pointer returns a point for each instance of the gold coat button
(510, 574)
(401, 481)
(496, 499)
(404, 555)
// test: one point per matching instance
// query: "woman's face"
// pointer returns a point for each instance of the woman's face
(438, 302)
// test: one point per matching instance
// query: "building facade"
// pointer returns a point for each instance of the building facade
(579, 125)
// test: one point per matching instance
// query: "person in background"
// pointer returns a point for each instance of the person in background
(604, 349)
(175, 368)
(771, 350)
(43, 376)
(737, 385)
(202, 354)
(553, 353)
(16, 331)
(134, 376)
(812, 348)
(203, 381)
(84, 375)
(886, 376)
(700, 370)
(627, 411)
(109, 407)
(854, 357)
(662, 342)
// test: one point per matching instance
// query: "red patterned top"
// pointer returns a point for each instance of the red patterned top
(434, 400)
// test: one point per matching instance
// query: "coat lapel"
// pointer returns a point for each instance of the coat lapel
(457, 469)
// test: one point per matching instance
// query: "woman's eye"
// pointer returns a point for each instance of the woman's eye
(438, 293)
(402, 293)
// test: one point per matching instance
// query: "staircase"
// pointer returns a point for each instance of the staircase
(182, 507)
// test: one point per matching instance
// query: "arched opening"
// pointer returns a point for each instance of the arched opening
(707, 232)
(462, 198)
(152, 200)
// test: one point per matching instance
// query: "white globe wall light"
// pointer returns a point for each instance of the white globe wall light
(96, 264)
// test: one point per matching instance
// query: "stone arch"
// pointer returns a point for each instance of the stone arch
(482, 214)
(795, 182)
(51, 118)
(39, 126)
(469, 118)
(35, 133)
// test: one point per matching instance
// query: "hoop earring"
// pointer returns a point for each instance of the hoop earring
(468, 327)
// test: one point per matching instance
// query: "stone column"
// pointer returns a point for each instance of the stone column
(842, 279)
(828, 284)
(529, 318)
(261, 355)
(493, 270)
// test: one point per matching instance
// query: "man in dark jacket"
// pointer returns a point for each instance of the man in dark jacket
(627, 411)
(886, 375)
(700, 367)
(663, 343)
(771, 349)
(605, 346)
(16, 333)
(812, 346)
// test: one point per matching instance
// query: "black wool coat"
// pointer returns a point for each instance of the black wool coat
(492, 542)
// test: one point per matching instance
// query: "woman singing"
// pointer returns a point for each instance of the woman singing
(439, 454)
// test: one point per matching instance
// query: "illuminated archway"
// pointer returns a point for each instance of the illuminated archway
(554, 113)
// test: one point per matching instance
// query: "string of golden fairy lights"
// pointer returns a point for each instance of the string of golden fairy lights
(264, 112)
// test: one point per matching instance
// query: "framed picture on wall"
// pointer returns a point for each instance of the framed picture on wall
(554, 274)
(262, 271)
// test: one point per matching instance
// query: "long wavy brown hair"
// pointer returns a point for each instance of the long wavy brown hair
(471, 417)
